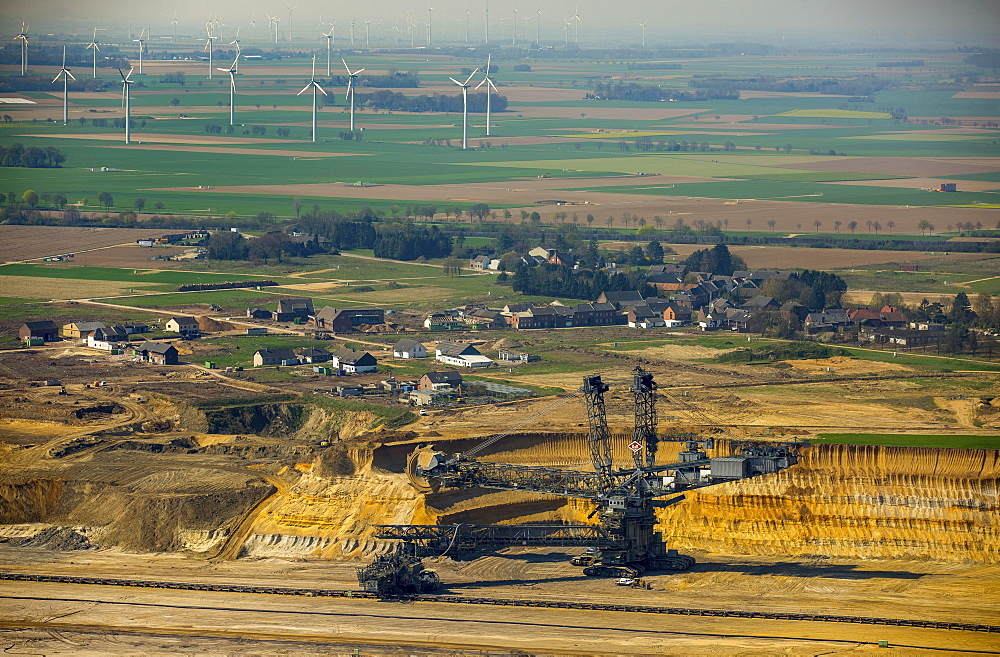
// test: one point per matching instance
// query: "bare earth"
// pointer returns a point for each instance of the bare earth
(19, 243)
(907, 166)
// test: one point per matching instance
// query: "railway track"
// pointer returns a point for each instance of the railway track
(503, 602)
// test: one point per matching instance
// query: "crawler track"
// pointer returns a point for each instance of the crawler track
(505, 602)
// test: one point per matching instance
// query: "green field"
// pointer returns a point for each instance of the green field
(947, 441)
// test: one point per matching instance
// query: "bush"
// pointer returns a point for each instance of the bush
(780, 351)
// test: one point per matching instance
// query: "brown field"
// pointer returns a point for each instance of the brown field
(623, 113)
(32, 287)
(921, 167)
(745, 93)
(18, 243)
(989, 95)
(172, 139)
(131, 255)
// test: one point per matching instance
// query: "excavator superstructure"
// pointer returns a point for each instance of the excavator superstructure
(624, 542)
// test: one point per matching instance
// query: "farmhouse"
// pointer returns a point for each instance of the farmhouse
(107, 338)
(353, 361)
(460, 354)
(258, 313)
(81, 330)
(312, 355)
(161, 353)
(45, 329)
(434, 381)
(292, 309)
(344, 320)
(186, 326)
(409, 349)
(275, 356)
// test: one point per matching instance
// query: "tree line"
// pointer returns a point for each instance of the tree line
(633, 91)
(389, 100)
(33, 157)
(409, 242)
(861, 85)
(585, 284)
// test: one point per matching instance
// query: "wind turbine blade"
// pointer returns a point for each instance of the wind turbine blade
(304, 89)
(71, 76)
(481, 83)
(455, 81)
(320, 89)
(360, 70)
(121, 74)
(56, 78)
(493, 85)
(347, 67)
(232, 79)
(470, 77)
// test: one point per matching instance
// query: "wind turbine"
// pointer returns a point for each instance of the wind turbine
(566, 31)
(352, 32)
(643, 26)
(430, 24)
(467, 24)
(93, 46)
(210, 47)
(253, 27)
(23, 36)
(233, 71)
(142, 46)
(488, 81)
(368, 25)
(576, 18)
(290, 10)
(273, 21)
(314, 85)
(465, 108)
(378, 33)
(487, 27)
(538, 28)
(66, 77)
(239, 51)
(350, 88)
(173, 24)
(329, 46)
(127, 102)
(513, 30)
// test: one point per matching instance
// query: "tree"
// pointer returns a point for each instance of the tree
(749, 222)
(59, 199)
(837, 224)
(297, 205)
(852, 225)
(771, 223)
(30, 197)
(961, 310)
(890, 224)
(106, 200)
(479, 211)
(817, 223)
(654, 252)
(923, 225)
(140, 203)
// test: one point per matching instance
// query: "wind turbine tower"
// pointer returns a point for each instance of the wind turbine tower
(210, 47)
(233, 71)
(290, 10)
(538, 28)
(127, 102)
(643, 26)
(314, 85)
(66, 77)
(488, 81)
(350, 88)
(487, 22)
(142, 46)
(93, 46)
(430, 25)
(329, 47)
(239, 51)
(513, 30)
(23, 36)
(173, 25)
(465, 108)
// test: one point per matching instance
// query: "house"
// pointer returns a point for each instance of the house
(903, 337)
(345, 320)
(460, 354)
(884, 316)
(761, 303)
(134, 329)
(479, 262)
(594, 314)
(186, 326)
(642, 317)
(562, 259)
(794, 309)
(826, 320)
(81, 330)
(540, 252)
(442, 322)
(107, 339)
(485, 318)
(353, 361)
(293, 308)
(258, 313)
(434, 381)
(161, 353)
(534, 318)
(736, 319)
(311, 355)
(45, 329)
(406, 348)
(676, 315)
(620, 299)
(275, 356)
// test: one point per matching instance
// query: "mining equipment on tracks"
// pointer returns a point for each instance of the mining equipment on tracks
(624, 543)
(398, 573)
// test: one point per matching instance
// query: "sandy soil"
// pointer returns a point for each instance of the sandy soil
(989, 95)
(844, 365)
(113, 620)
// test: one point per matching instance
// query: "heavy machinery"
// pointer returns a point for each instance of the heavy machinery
(398, 573)
(624, 543)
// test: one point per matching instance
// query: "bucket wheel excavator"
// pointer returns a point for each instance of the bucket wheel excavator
(624, 542)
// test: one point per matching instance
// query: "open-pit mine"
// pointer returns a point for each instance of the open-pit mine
(137, 516)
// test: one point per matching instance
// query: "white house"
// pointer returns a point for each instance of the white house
(182, 325)
(409, 349)
(354, 362)
(461, 354)
(107, 339)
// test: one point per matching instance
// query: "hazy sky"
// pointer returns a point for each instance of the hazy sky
(671, 22)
